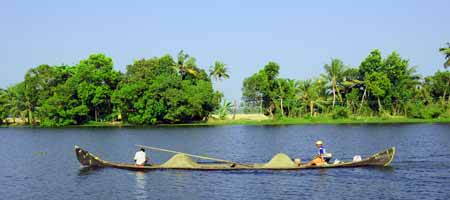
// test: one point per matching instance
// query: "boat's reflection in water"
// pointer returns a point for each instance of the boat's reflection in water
(141, 183)
(88, 170)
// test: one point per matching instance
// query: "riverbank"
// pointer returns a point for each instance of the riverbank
(327, 120)
(254, 119)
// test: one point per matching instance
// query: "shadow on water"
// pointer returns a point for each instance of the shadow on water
(84, 171)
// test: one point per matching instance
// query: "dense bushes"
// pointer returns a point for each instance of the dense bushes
(156, 90)
(383, 87)
(417, 110)
(340, 112)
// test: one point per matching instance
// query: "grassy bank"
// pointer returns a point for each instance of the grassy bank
(325, 120)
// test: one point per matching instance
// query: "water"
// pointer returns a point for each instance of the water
(40, 163)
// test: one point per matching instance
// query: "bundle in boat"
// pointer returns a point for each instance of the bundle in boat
(180, 160)
(279, 161)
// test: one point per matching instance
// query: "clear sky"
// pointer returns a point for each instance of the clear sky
(301, 36)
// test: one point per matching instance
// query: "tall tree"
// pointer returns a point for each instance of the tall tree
(186, 65)
(219, 71)
(309, 93)
(152, 92)
(378, 84)
(263, 84)
(96, 81)
(334, 75)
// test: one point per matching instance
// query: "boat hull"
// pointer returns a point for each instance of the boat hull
(381, 159)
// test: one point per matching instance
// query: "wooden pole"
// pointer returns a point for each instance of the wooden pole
(191, 155)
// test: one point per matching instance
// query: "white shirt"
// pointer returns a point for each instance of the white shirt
(140, 158)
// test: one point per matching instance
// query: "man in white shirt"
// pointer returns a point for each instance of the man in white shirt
(140, 157)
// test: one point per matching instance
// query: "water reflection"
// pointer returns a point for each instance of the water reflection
(84, 171)
(141, 183)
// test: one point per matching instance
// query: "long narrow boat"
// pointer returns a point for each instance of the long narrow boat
(278, 162)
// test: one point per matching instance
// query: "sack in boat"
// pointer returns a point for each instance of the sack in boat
(357, 158)
(336, 161)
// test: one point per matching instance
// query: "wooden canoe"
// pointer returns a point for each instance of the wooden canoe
(381, 159)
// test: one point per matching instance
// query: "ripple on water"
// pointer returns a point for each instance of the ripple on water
(420, 169)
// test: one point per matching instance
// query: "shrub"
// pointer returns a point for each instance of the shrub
(340, 112)
(432, 111)
(424, 111)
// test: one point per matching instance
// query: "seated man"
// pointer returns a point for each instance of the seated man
(322, 157)
(140, 157)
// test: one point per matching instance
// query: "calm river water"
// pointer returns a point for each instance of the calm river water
(39, 163)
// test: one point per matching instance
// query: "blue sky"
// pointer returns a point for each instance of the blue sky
(301, 36)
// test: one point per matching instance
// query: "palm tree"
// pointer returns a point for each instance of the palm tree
(13, 104)
(334, 74)
(186, 65)
(281, 94)
(308, 93)
(219, 71)
(446, 52)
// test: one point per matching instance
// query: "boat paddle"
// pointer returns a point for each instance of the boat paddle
(192, 155)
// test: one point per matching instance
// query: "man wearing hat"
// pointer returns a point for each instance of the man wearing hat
(322, 157)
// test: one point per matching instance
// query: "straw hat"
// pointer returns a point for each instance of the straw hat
(319, 142)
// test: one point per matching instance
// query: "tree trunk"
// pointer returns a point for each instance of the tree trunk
(379, 105)
(445, 93)
(30, 116)
(95, 114)
(311, 107)
(334, 95)
(271, 110)
(362, 99)
(281, 107)
(234, 110)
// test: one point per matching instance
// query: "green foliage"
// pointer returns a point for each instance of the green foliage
(334, 75)
(153, 92)
(378, 83)
(380, 86)
(219, 71)
(3, 107)
(224, 109)
(157, 90)
(263, 88)
(340, 112)
(373, 63)
(446, 52)
(168, 90)
(418, 110)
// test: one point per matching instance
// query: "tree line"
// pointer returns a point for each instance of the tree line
(175, 90)
(382, 87)
(151, 91)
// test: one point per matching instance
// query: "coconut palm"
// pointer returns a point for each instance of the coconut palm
(334, 75)
(446, 52)
(219, 71)
(13, 104)
(186, 65)
(308, 92)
